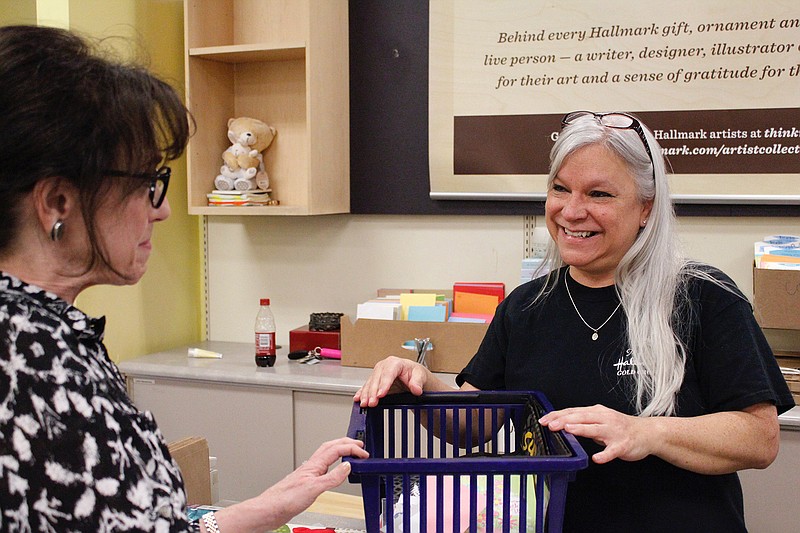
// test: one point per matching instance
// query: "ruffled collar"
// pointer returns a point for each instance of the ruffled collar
(83, 325)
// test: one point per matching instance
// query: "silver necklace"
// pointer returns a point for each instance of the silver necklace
(595, 334)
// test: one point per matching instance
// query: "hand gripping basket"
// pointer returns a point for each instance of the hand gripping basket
(513, 479)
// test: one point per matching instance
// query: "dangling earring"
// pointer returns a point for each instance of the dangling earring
(57, 231)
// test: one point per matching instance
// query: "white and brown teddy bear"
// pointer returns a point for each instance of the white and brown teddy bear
(244, 162)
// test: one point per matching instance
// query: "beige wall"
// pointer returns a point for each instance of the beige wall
(165, 308)
(331, 263)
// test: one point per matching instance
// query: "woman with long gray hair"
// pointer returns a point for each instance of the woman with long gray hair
(655, 362)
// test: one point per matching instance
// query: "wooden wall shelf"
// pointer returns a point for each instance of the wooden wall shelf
(284, 62)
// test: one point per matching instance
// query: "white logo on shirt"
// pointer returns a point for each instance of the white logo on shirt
(626, 366)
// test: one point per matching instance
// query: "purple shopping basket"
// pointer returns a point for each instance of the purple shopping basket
(514, 478)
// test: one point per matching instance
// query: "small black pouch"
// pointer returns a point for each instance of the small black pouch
(533, 439)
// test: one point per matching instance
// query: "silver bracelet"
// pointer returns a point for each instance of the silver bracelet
(210, 521)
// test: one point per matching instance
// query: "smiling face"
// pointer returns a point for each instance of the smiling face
(593, 213)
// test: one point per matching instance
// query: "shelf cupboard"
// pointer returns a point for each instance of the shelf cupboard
(284, 62)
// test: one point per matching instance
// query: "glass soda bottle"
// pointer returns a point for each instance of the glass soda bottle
(265, 335)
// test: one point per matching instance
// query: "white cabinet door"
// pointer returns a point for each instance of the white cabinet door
(319, 417)
(770, 496)
(249, 429)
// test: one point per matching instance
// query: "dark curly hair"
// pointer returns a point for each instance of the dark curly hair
(67, 111)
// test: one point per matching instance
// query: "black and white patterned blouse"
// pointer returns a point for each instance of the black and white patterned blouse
(75, 453)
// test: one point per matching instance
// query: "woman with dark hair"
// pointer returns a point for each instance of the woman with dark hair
(83, 180)
(655, 362)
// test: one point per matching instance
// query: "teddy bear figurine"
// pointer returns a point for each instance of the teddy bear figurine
(240, 179)
(243, 168)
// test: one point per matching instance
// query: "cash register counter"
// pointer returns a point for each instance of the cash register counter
(261, 423)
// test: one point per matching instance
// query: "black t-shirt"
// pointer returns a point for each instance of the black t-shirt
(546, 347)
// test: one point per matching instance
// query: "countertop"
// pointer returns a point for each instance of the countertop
(238, 366)
(790, 419)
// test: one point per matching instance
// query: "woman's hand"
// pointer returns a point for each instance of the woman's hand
(712, 444)
(294, 493)
(624, 437)
(393, 375)
(299, 489)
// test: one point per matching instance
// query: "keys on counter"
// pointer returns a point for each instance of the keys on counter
(312, 357)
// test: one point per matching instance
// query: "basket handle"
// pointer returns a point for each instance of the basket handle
(481, 397)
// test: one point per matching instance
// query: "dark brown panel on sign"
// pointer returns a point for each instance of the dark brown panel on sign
(728, 141)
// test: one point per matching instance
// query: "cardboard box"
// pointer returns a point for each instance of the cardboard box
(791, 360)
(191, 454)
(776, 298)
(365, 342)
(303, 338)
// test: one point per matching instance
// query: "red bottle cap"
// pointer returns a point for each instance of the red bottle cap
(264, 301)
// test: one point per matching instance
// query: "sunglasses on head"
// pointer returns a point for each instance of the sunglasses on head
(616, 120)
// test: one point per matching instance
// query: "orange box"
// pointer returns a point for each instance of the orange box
(477, 297)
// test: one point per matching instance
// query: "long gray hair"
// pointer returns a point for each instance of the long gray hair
(650, 275)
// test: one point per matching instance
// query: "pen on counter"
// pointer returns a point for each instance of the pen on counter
(199, 353)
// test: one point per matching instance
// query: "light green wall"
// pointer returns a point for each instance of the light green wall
(166, 308)
(17, 12)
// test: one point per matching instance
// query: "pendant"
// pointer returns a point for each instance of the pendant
(595, 336)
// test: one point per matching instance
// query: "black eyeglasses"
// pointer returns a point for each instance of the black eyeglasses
(620, 121)
(159, 181)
